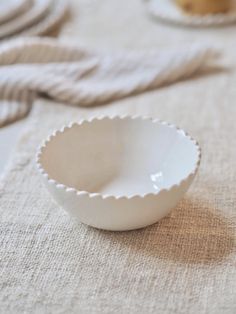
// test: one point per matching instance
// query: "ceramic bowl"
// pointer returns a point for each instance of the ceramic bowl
(118, 173)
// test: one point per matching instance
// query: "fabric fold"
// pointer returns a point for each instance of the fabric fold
(82, 77)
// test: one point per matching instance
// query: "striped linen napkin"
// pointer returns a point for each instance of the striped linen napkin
(78, 76)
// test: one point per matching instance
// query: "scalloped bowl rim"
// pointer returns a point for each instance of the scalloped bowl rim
(61, 186)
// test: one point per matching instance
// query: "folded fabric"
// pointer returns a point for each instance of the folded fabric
(75, 75)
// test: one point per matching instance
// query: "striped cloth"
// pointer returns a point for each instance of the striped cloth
(78, 76)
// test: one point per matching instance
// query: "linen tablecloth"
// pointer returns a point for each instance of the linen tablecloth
(77, 76)
(186, 263)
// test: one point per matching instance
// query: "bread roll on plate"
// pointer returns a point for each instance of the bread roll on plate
(203, 7)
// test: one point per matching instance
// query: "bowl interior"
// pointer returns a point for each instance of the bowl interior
(119, 156)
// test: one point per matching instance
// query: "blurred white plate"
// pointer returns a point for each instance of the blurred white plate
(54, 17)
(9, 9)
(168, 11)
(38, 10)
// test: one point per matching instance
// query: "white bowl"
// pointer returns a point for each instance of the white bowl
(118, 173)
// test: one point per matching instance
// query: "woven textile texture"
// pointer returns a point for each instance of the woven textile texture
(184, 264)
(73, 74)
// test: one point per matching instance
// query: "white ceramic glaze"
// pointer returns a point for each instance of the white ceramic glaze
(54, 17)
(118, 173)
(35, 13)
(9, 9)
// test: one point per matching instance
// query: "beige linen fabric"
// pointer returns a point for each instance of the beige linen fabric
(78, 76)
(184, 264)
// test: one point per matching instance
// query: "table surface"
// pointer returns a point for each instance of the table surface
(8, 139)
